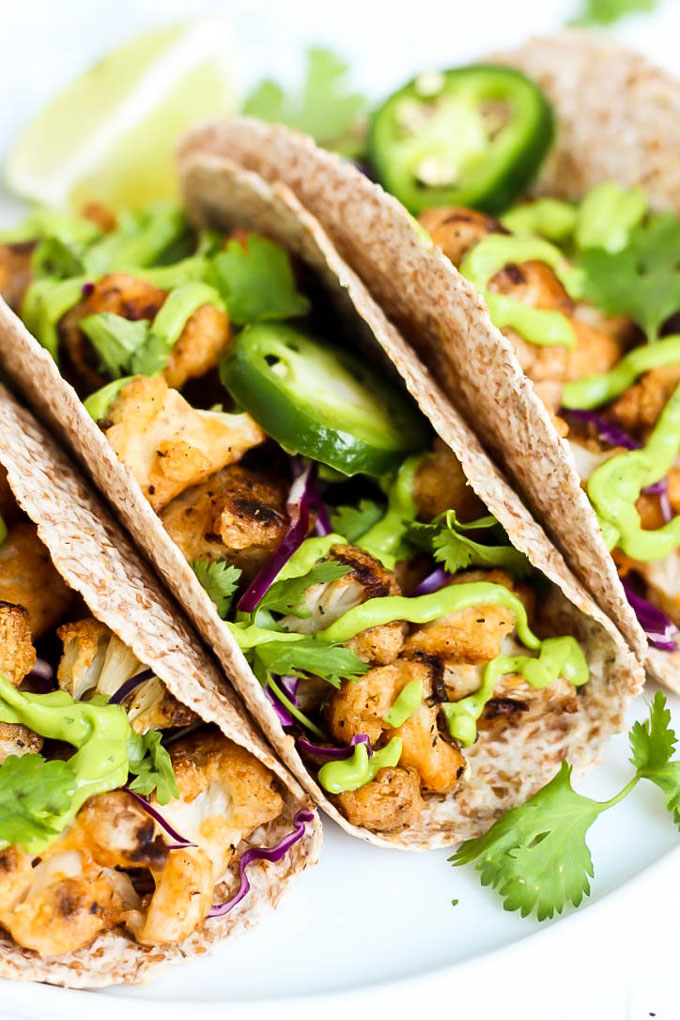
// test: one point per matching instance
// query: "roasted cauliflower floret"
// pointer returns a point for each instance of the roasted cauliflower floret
(456, 229)
(361, 706)
(18, 740)
(440, 485)
(117, 293)
(515, 701)
(116, 832)
(390, 802)
(167, 445)
(17, 654)
(96, 661)
(15, 271)
(225, 793)
(61, 905)
(469, 635)
(638, 409)
(236, 515)
(367, 579)
(198, 347)
(28, 579)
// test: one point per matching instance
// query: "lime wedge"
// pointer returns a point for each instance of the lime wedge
(110, 135)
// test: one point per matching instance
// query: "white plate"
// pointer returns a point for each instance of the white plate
(376, 925)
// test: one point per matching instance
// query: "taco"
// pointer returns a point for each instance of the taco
(570, 301)
(142, 820)
(350, 554)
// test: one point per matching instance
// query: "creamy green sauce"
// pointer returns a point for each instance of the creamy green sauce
(307, 554)
(558, 656)
(178, 308)
(600, 388)
(546, 217)
(385, 537)
(355, 772)
(607, 215)
(405, 704)
(100, 732)
(615, 486)
(427, 608)
(540, 326)
(99, 403)
(45, 301)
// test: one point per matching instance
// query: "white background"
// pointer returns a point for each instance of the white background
(374, 932)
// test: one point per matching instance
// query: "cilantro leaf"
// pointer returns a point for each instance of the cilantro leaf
(333, 663)
(642, 280)
(652, 744)
(115, 339)
(220, 580)
(606, 12)
(151, 764)
(257, 282)
(285, 596)
(354, 521)
(536, 855)
(56, 256)
(324, 108)
(445, 538)
(35, 795)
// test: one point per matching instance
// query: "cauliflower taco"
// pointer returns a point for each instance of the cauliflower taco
(400, 626)
(142, 820)
(561, 320)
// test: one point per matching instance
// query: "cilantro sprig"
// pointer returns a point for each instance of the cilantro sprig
(220, 580)
(606, 12)
(256, 281)
(287, 595)
(536, 856)
(35, 797)
(642, 280)
(324, 107)
(445, 537)
(150, 762)
(354, 521)
(307, 657)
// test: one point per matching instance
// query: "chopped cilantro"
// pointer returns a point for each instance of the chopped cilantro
(35, 795)
(445, 538)
(151, 764)
(536, 855)
(285, 596)
(308, 657)
(641, 280)
(324, 108)
(354, 521)
(257, 282)
(220, 580)
(115, 339)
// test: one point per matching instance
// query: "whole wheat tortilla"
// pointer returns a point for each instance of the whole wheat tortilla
(503, 772)
(96, 560)
(618, 119)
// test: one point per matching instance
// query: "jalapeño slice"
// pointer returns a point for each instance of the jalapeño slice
(472, 136)
(321, 402)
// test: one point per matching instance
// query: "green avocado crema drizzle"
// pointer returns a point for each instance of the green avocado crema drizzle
(385, 537)
(355, 772)
(540, 326)
(405, 704)
(100, 732)
(595, 390)
(558, 656)
(615, 486)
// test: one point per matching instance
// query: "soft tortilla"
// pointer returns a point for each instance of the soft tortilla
(95, 559)
(439, 312)
(507, 771)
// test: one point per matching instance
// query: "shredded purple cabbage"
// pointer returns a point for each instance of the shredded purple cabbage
(88, 288)
(298, 507)
(42, 676)
(334, 753)
(658, 627)
(289, 685)
(261, 853)
(130, 685)
(660, 489)
(433, 582)
(179, 841)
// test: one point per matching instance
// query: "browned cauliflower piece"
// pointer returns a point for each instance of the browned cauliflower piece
(199, 346)
(367, 579)
(28, 579)
(236, 515)
(18, 740)
(17, 654)
(390, 802)
(15, 271)
(638, 409)
(96, 661)
(116, 832)
(440, 485)
(360, 706)
(167, 445)
(456, 229)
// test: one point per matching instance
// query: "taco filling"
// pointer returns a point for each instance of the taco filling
(382, 609)
(119, 808)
